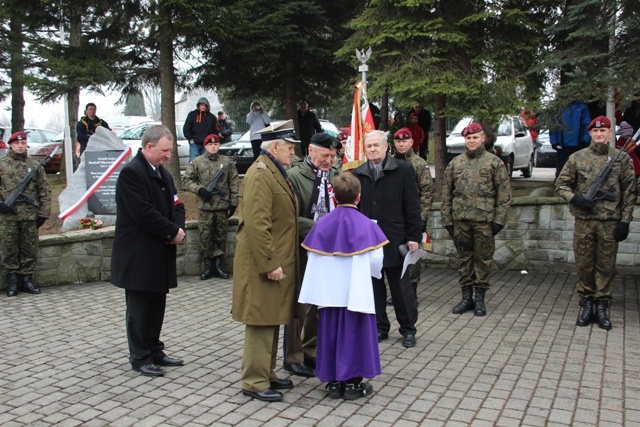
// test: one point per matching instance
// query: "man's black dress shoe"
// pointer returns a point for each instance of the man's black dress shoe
(150, 370)
(409, 340)
(382, 336)
(299, 369)
(168, 361)
(310, 362)
(267, 395)
(281, 384)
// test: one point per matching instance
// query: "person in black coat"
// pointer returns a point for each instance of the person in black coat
(198, 124)
(150, 223)
(390, 196)
(308, 125)
(424, 120)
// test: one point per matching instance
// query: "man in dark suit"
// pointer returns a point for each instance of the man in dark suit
(149, 225)
(390, 197)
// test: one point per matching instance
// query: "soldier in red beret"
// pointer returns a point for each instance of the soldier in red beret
(20, 219)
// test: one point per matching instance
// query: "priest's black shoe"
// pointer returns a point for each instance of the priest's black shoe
(267, 395)
(409, 340)
(150, 370)
(168, 361)
(281, 384)
(299, 369)
(382, 336)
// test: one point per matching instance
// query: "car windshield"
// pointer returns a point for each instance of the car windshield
(457, 130)
(133, 133)
(505, 128)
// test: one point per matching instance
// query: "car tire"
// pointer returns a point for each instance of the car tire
(528, 171)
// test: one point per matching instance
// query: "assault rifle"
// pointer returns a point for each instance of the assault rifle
(213, 185)
(16, 195)
(596, 192)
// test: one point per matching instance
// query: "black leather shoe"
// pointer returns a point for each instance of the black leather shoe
(150, 370)
(281, 384)
(310, 362)
(409, 340)
(382, 336)
(267, 395)
(299, 369)
(169, 361)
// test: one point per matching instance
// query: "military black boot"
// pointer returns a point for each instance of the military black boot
(12, 284)
(601, 314)
(586, 313)
(466, 303)
(206, 270)
(480, 309)
(28, 286)
(217, 270)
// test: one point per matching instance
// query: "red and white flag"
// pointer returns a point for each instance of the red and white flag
(361, 123)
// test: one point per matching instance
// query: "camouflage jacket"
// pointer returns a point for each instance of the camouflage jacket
(200, 173)
(13, 168)
(581, 170)
(476, 188)
(423, 180)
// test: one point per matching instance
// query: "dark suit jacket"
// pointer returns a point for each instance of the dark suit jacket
(149, 215)
(394, 202)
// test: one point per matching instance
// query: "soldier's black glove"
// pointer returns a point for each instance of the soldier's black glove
(205, 194)
(496, 228)
(621, 232)
(449, 228)
(4, 208)
(582, 203)
(232, 210)
(40, 220)
(423, 226)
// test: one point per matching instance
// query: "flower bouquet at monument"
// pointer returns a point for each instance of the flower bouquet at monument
(93, 224)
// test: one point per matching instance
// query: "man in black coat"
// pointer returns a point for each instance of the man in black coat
(390, 197)
(149, 224)
(424, 120)
(198, 124)
(308, 125)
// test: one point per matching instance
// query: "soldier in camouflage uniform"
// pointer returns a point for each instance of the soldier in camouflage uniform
(475, 199)
(19, 224)
(214, 208)
(599, 224)
(403, 140)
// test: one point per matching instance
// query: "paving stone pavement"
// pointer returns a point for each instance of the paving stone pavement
(63, 361)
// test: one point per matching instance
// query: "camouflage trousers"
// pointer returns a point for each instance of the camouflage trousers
(212, 226)
(476, 245)
(19, 246)
(595, 250)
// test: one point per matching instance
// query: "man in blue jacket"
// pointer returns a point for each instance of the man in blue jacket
(572, 132)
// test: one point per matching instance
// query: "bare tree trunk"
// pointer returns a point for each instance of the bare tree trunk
(73, 95)
(439, 143)
(17, 74)
(384, 110)
(167, 88)
(290, 104)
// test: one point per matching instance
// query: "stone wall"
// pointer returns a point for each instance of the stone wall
(538, 237)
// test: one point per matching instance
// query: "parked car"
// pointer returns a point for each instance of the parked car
(242, 146)
(35, 137)
(132, 137)
(513, 144)
(545, 154)
(4, 136)
(120, 123)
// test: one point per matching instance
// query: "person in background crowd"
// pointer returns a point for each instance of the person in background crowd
(631, 115)
(345, 251)
(390, 197)
(19, 223)
(571, 133)
(215, 205)
(599, 224)
(308, 125)
(531, 121)
(150, 223)
(624, 135)
(257, 119)
(424, 120)
(417, 132)
(86, 127)
(311, 180)
(403, 142)
(266, 269)
(199, 123)
(398, 122)
(476, 197)
(225, 127)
